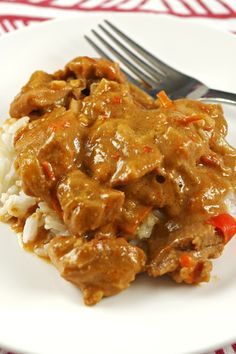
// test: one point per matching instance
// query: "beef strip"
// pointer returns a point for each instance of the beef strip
(99, 267)
(46, 150)
(167, 245)
(41, 93)
(86, 205)
(115, 154)
(91, 69)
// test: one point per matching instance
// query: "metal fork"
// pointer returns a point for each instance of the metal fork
(153, 73)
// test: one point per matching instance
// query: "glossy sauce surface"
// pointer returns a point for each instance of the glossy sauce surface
(135, 181)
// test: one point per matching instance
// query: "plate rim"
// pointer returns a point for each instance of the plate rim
(99, 15)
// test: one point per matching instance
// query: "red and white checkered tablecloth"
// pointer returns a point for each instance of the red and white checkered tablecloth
(15, 14)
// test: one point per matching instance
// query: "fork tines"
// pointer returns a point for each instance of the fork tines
(134, 57)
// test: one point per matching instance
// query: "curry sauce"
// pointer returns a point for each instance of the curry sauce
(141, 184)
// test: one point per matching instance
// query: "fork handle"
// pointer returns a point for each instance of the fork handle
(219, 97)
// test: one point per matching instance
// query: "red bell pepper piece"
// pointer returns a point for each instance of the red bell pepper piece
(225, 224)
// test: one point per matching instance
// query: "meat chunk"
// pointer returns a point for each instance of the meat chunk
(86, 204)
(92, 69)
(99, 267)
(184, 254)
(105, 100)
(41, 93)
(46, 149)
(157, 190)
(115, 154)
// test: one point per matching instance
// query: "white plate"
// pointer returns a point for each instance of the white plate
(42, 313)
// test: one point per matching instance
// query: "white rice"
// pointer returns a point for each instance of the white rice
(145, 229)
(230, 202)
(13, 201)
(32, 224)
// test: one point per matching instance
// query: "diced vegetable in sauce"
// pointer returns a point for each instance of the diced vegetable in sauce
(225, 224)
